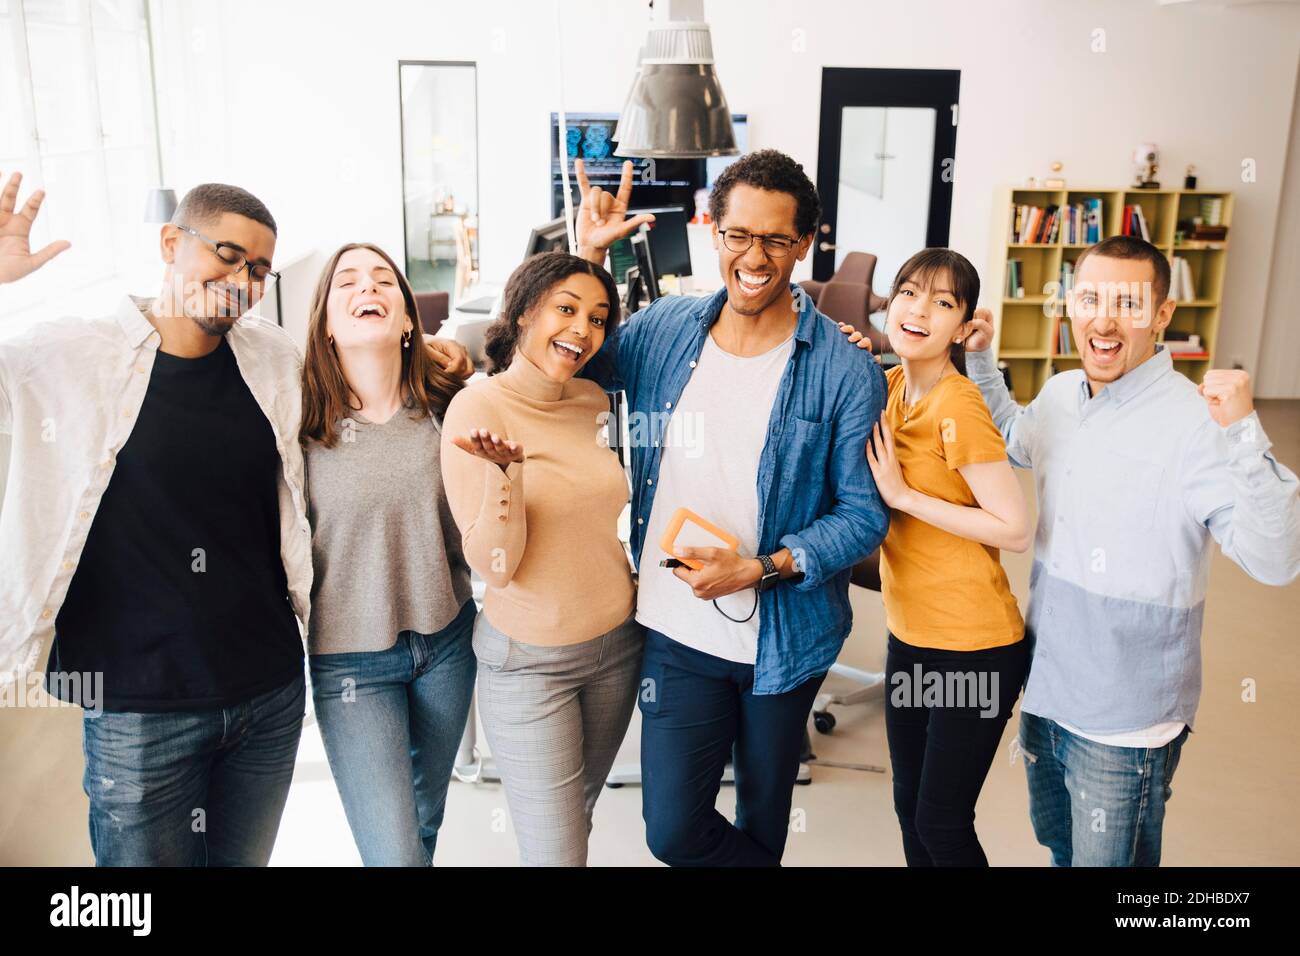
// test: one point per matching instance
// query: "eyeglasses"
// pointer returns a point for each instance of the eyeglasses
(776, 246)
(233, 256)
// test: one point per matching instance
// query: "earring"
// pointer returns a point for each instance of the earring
(406, 339)
(329, 339)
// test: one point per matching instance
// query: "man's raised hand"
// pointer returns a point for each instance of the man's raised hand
(602, 217)
(16, 256)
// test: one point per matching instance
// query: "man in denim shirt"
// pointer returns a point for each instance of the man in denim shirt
(752, 410)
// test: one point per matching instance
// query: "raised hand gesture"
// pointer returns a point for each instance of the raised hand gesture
(16, 256)
(981, 331)
(485, 444)
(602, 217)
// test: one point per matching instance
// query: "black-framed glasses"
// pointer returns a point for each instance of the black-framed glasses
(775, 245)
(233, 256)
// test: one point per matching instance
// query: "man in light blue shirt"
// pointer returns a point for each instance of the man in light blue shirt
(1137, 469)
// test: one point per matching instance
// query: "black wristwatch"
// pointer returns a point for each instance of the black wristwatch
(771, 576)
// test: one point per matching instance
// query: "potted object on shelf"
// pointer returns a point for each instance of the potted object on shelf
(1146, 157)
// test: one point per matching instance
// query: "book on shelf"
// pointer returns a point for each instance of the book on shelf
(1066, 279)
(1015, 279)
(1189, 347)
(1034, 225)
(1212, 210)
(1182, 288)
(1081, 222)
(1135, 222)
(1063, 338)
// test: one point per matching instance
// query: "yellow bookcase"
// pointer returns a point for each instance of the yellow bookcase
(1024, 325)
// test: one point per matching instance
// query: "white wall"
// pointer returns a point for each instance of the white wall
(1279, 354)
(307, 113)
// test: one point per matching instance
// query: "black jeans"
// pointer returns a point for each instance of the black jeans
(944, 716)
(697, 712)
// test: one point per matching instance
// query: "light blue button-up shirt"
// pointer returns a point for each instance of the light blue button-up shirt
(815, 492)
(1132, 485)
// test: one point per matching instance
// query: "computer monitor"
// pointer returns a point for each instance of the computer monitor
(658, 182)
(643, 280)
(548, 237)
(714, 165)
(668, 243)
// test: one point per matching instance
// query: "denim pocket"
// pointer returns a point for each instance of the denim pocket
(1174, 752)
(805, 457)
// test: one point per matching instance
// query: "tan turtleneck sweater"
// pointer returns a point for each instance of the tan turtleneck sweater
(555, 569)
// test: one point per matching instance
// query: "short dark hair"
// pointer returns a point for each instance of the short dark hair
(925, 268)
(528, 285)
(206, 202)
(775, 171)
(1131, 247)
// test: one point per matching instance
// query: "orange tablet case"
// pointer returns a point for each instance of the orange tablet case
(679, 518)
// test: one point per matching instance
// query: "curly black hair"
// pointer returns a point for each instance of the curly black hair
(773, 170)
(531, 281)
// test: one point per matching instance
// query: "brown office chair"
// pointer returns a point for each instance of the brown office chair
(434, 308)
(847, 296)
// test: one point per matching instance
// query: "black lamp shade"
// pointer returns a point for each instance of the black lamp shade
(676, 111)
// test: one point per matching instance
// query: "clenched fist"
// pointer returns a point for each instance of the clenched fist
(1227, 392)
(980, 336)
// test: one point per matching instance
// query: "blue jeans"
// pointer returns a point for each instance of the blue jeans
(192, 788)
(697, 712)
(391, 722)
(1092, 804)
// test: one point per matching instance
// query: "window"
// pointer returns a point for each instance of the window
(76, 118)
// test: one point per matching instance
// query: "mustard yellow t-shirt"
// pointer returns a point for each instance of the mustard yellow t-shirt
(942, 590)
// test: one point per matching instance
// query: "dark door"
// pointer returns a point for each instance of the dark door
(886, 152)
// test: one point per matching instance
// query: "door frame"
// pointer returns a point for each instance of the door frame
(864, 86)
(401, 154)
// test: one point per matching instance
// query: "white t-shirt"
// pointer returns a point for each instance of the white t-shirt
(709, 464)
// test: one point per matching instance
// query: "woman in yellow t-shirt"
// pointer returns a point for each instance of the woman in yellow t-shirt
(957, 655)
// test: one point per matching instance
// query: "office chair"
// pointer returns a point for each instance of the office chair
(434, 307)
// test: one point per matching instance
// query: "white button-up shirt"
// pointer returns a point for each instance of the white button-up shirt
(70, 392)
(1134, 486)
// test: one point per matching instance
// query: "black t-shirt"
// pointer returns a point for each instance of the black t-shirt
(180, 599)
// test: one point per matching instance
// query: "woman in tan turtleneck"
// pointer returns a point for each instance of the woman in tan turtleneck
(537, 492)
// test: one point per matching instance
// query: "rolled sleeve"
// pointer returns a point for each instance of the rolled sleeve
(1014, 422)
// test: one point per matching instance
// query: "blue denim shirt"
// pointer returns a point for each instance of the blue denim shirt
(816, 495)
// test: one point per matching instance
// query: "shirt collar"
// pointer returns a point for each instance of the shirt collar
(134, 325)
(710, 307)
(1136, 381)
(523, 376)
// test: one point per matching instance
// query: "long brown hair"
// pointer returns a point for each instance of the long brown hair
(326, 397)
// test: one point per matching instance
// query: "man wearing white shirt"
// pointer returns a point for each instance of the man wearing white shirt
(155, 554)
(1138, 471)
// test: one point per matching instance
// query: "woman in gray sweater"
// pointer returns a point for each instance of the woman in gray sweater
(392, 665)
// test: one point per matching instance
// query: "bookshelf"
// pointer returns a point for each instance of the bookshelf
(1026, 319)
